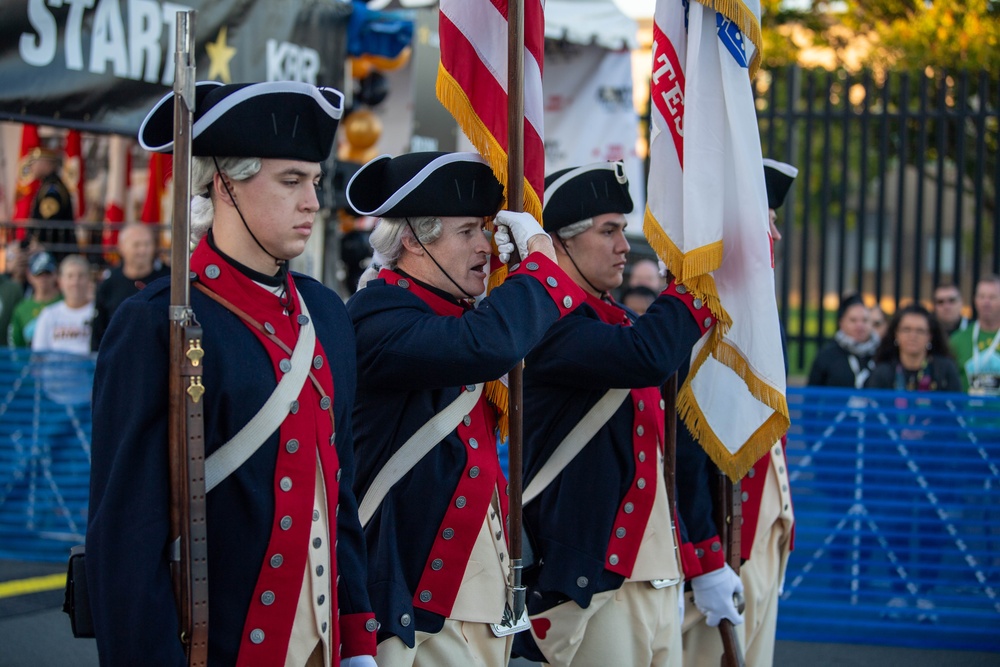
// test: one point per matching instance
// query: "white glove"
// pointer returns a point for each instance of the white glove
(713, 595)
(505, 247)
(358, 661)
(521, 226)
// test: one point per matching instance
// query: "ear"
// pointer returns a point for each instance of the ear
(219, 183)
(411, 245)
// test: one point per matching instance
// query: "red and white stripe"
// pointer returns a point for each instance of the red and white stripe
(473, 39)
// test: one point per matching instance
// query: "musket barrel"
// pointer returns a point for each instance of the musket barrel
(184, 79)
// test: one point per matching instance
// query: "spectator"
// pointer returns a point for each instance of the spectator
(638, 299)
(11, 287)
(64, 326)
(139, 267)
(53, 205)
(976, 347)
(948, 308)
(846, 361)
(914, 355)
(879, 321)
(45, 291)
(646, 272)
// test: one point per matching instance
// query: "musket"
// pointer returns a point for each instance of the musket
(728, 509)
(515, 199)
(727, 506)
(186, 442)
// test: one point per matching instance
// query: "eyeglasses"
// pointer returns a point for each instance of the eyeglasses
(914, 331)
(946, 299)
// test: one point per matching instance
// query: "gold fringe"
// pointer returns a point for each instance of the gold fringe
(749, 24)
(454, 99)
(730, 356)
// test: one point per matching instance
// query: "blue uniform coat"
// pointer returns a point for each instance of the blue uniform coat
(127, 568)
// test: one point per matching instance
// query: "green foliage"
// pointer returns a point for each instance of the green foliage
(886, 35)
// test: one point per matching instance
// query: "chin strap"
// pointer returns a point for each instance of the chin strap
(277, 260)
(573, 261)
(435, 261)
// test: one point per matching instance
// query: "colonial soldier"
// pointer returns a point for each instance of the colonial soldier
(604, 587)
(426, 427)
(766, 530)
(286, 555)
(52, 206)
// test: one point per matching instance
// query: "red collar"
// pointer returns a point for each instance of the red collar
(238, 288)
(439, 305)
(610, 313)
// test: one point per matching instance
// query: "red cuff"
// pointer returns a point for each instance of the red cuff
(709, 555)
(357, 634)
(690, 564)
(565, 293)
(703, 317)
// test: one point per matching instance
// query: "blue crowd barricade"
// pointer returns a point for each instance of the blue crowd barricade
(897, 519)
(44, 453)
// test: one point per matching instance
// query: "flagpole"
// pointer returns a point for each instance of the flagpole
(515, 199)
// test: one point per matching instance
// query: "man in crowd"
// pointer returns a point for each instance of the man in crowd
(12, 283)
(44, 292)
(948, 308)
(646, 273)
(52, 206)
(65, 325)
(434, 499)
(139, 267)
(605, 585)
(975, 347)
(286, 557)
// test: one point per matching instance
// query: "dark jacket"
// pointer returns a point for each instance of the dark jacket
(417, 350)
(127, 536)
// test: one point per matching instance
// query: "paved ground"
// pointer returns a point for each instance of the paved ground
(34, 632)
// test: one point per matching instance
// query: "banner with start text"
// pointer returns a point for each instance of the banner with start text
(99, 65)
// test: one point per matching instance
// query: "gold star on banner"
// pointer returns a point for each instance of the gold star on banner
(220, 54)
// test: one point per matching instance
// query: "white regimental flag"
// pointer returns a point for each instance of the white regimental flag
(706, 217)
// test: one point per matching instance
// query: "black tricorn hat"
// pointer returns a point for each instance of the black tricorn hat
(278, 119)
(425, 184)
(778, 177)
(579, 193)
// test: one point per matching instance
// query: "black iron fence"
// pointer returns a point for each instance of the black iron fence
(897, 189)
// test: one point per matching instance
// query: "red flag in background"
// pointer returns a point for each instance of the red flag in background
(27, 186)
(161, 167)
(116, 192)
(73, 172)
(472, 85)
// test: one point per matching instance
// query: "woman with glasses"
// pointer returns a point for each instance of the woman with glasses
(914, 355)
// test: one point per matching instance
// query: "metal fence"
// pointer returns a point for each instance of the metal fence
(897, 505)
(897, 188)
